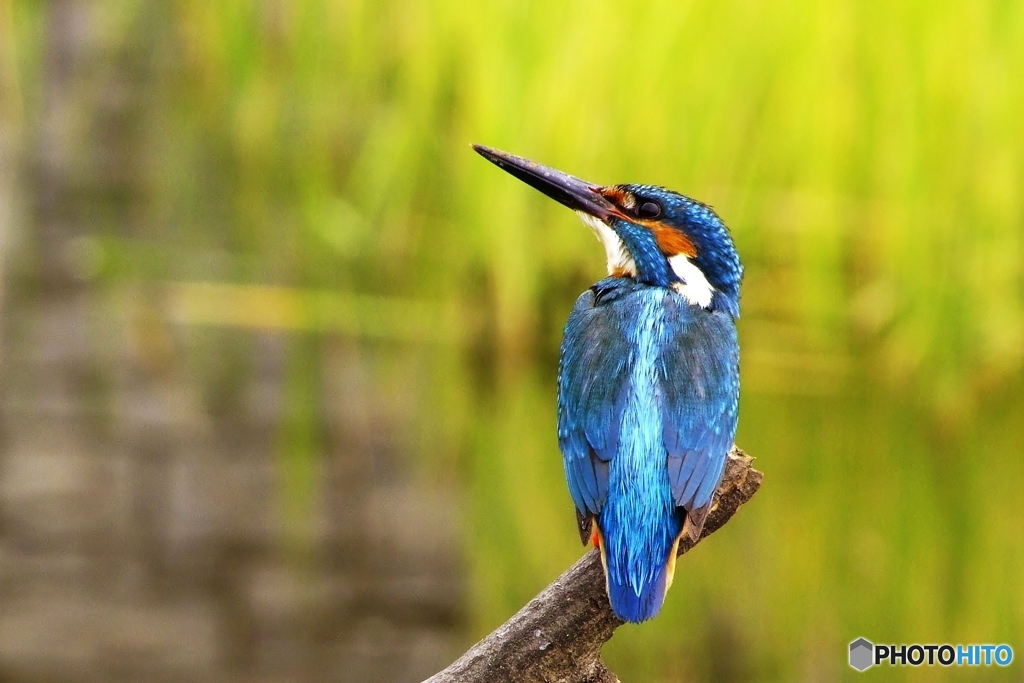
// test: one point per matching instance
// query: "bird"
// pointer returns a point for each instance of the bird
(648, 376)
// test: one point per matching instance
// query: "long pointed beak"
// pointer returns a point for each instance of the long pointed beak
(577, 194)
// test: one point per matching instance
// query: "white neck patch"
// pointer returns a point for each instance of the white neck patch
(615, 251)
(694, 287)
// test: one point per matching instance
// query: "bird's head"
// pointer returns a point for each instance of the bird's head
(654, 235)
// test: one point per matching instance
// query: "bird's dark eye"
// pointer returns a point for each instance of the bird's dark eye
(649, 210)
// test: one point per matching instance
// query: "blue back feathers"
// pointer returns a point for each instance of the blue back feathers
(648, 390)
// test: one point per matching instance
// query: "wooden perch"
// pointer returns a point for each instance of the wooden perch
(558, 635)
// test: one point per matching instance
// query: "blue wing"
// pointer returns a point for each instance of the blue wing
(593, 370)
(699, 376)
(697, 373)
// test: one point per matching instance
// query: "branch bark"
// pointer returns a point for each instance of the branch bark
(558, 635)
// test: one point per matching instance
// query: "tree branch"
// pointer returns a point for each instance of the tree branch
(558, 635)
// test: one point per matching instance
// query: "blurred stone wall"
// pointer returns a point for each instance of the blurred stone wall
(142, 536)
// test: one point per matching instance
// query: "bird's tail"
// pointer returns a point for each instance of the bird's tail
(638, 563)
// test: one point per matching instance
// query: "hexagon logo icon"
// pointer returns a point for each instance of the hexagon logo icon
(862, 654)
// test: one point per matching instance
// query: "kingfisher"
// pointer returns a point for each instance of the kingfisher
(648, 376)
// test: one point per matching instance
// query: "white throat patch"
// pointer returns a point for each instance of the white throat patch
(615, 251)
(694, 287)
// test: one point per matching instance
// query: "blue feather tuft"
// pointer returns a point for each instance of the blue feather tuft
(635, 607)
(637, 544)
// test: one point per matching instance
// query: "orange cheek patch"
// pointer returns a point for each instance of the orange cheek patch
(672, 242)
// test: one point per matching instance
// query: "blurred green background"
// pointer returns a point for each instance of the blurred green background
(304, 168)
